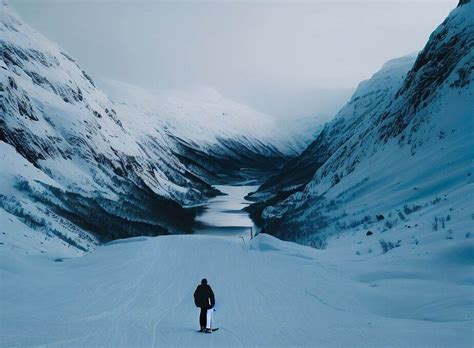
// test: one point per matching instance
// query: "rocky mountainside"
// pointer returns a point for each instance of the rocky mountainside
(405, 139)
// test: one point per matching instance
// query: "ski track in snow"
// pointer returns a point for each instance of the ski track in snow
(138, 293)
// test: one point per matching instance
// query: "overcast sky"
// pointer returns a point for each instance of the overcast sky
(286, 58)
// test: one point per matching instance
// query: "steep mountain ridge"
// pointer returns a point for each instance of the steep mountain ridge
(407, 147)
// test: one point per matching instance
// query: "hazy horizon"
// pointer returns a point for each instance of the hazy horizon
(285, 59)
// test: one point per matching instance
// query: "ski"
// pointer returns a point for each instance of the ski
(214, 329)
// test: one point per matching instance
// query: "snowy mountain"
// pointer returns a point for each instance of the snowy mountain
(78, 162)
(215, 137)
(132, 163)
(102, 166)
(398, 155)
(303, 130)
(385, 193)
(352, 118)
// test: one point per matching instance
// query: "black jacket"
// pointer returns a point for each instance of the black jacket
(204, 297)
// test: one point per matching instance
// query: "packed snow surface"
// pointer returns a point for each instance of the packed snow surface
(139, 293)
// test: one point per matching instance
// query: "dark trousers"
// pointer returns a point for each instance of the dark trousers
(203, 317)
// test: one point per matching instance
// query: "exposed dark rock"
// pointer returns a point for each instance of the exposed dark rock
(88, 78)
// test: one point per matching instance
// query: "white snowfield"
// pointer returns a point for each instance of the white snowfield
(269, 293)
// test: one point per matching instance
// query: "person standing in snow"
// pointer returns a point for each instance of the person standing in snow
(204, 299)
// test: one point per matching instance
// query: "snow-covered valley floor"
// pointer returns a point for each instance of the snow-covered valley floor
(139, 293)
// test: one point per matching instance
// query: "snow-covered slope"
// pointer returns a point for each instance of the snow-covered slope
(369, 97)
(23, 217)
(102, 164)
(403, 144)
(202, 116)
(303, 130)
(215, 137)
(269, 293)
